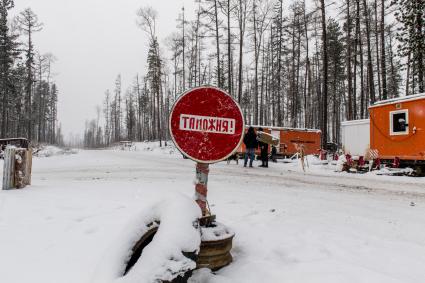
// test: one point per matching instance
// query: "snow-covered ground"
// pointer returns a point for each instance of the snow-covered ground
(50, 150)
(318, 226)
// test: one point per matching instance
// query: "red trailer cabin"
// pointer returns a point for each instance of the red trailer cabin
(397, 129)
(290, 140)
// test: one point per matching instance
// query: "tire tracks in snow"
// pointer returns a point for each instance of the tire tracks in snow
(325, 182)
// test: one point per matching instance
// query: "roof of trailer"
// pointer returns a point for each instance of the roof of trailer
(355, 122)
(285, 128)
(399, 99)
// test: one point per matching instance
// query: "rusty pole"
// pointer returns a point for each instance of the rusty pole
(202, 171)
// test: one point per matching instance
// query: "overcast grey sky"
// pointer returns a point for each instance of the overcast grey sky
(94, 40)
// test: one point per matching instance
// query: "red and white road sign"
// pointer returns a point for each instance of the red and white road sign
(206, 124)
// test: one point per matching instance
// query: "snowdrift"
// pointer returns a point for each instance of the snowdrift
(163, 258)
(51, 150)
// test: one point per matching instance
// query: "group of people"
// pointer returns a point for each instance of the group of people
(251, 144)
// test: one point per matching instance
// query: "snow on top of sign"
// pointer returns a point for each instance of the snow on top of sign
(162, 259)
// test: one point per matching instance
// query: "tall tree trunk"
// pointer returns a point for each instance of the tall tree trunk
(369, 54)
(217, 36)
(307, 81)
(256, 55)
(293, 90)
(229, 50)
(395, 92)
(183, 50)
(383, 55)
(29, 84)
(356, 45)
(241, 21)
(297, 88)
(279, 68)
(262, 88)
(378, 65)
(349, 74)
(325, 77)
(420, 31)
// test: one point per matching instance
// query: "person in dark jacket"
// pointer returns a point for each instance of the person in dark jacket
(264, 147)
(251, 143)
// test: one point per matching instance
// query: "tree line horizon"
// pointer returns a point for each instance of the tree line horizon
(292, 66)
(28, 92)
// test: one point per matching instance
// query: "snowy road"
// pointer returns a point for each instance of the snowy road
(290, 226)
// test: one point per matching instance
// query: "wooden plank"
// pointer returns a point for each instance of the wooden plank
(9, 169)
(28, 167)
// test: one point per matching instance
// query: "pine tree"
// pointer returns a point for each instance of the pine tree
(336, 74)
(29, 24)
(324, 118)
(8, 55)
(411, 13)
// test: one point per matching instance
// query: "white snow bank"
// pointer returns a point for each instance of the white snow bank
(392, 171)
(162, 259)
(51, 150)
(167, 147)
(309, 160)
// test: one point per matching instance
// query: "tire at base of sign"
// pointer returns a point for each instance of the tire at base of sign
(182, 276)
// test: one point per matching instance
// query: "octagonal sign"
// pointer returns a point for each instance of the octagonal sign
(206, 124)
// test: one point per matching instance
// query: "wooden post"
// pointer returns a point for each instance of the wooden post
(17, 168)
(28, 167)
(9, 169)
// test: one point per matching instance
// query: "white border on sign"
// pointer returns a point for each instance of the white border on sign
(172, 135)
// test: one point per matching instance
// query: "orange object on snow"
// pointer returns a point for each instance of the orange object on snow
(397, 128)
(290, 140)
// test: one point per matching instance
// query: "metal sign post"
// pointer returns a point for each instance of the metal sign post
(201, 190)
(207, 126)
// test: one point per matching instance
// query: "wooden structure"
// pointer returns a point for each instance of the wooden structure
(290, 140)
(397, 130)
(17, 168)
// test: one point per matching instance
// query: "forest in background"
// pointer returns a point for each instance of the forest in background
(287, 64)
(28, 93)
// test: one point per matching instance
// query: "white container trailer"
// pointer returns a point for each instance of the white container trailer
(356, 137)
